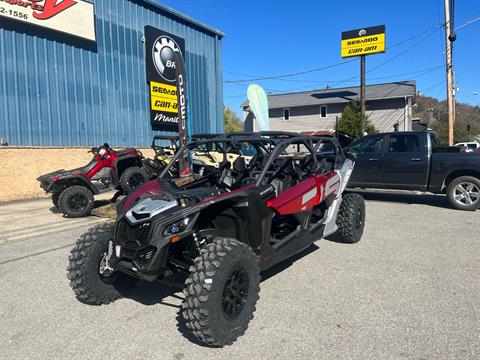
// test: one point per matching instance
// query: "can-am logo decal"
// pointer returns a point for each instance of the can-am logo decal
(74, 17)
(163, 53)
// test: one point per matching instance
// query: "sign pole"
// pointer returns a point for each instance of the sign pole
(361, 42)
(362, 91)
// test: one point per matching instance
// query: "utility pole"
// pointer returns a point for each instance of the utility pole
(450, 37)
(362, 90)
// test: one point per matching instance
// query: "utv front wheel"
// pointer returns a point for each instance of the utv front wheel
(91, 279)
(351, 218)
(132, 178)
(76, 201)
(221, 292)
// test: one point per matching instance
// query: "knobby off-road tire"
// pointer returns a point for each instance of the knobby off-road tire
(89, 286)
(221, 292)
(76, 201)
(351, 218)
(132, 178)
(464, 193)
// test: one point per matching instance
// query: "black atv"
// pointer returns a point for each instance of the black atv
(222, 229)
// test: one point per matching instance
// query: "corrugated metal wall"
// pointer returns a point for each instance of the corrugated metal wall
(54, 93)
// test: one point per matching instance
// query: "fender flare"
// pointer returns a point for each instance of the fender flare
(117, 162)
(78, 179)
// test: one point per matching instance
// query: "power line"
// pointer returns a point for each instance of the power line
(259, 78)
(291, 74)
(392, 58)
(468, 23)
(434, 86)
(429, 32)
(421, 73)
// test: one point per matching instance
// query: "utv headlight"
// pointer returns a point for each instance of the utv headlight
(176, 227)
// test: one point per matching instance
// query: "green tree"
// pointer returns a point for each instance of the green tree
(231, 121)
(351, 121)
(463, 131)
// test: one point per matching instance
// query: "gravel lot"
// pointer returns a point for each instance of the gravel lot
(409, 290)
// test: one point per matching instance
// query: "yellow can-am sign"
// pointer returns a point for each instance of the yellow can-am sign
(163, 97)
(364, 41)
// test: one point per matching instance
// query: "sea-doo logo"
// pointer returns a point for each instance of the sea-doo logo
(163, 53)
(362, 32)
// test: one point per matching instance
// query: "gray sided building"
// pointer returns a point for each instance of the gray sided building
(387, 105)
(74, 72)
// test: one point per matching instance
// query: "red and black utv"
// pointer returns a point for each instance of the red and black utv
(72, 190)
(221, 229)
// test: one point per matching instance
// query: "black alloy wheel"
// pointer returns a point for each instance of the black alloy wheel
(235, 293)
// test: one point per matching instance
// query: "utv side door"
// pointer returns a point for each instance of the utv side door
(368, 153)
(405, 163)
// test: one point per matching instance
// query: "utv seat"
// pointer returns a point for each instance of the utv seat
(236, 173)
(285, 177)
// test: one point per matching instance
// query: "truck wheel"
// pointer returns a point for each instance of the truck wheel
(221, 292)
(132, 178)
(76, 201)
(91, 279)
(55, 197)
(464, 193)
(351, 218)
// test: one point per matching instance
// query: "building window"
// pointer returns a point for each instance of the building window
(286, 114)
(323, 111)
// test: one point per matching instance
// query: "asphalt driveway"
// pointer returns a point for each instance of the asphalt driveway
(409, 290)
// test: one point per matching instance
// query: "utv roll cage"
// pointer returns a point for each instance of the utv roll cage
(273, 149)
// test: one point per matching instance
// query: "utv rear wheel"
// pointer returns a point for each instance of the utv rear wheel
(464, 193)
(351, 218)
(221, 292)
(76, 201)
(132, 178)
(91, 279)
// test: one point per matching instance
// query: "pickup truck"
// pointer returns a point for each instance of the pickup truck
(415, 161)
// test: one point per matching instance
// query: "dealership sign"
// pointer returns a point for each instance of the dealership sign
(161, 48)
(363, 41)
(74, 17)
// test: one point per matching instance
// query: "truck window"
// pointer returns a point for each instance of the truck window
(368, 145)
(403, 143)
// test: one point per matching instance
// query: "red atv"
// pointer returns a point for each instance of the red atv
(73, 190)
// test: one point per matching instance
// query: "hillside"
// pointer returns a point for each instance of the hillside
(434, 112)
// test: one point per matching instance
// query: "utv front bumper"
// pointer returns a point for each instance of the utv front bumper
(137, 253)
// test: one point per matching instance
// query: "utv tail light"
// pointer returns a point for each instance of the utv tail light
(54, 178)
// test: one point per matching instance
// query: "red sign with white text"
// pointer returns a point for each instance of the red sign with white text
(74, 17)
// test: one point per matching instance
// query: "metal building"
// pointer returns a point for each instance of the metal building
(59, 89)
